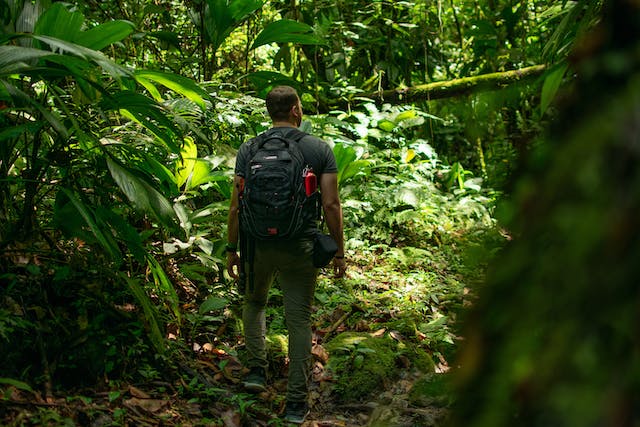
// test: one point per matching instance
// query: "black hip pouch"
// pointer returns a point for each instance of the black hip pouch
(324, 248)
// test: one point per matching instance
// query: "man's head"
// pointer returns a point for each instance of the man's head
(283, 105)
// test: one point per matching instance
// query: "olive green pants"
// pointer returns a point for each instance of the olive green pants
(291, 261)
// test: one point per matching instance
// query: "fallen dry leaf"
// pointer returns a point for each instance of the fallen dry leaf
(136, 392)
(397, 336)
(378, 333)
(231, 418)
(151, 406)
(320, 353)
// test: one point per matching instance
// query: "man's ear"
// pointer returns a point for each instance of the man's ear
(296, 114)
(295, 110)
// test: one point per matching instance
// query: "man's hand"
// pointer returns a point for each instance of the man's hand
(339, 267)
(233, 260)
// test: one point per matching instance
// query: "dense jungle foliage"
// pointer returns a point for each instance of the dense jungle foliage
(119, 125)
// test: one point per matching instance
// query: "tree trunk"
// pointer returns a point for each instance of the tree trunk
(439, 90)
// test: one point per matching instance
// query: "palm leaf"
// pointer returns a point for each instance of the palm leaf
(188, 156)
(142, 194)
(165, 287)
(22, 99)
(551, 85)
(150, 312)
(182, 85)
(221, 17)
(105, 240)
(147, 113)
(14, 59)
(98, 58)
(103, 35)
(58, 22)
(285, 31)
(241, 9)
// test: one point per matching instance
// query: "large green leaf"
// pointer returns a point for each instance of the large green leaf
(142, 194)
(64, 47)
(15, 59)
(162, 173)
(201, 174)
(221, 17)
(192, 171)
(285, 31)
(188, 157)
(182, 85)
(124, 231)
(22, 99)
(105, 240)
(266, 80)
(551, 85)
(213, 303)
(147, 113)
(58, 22)
(164, 287)
(241, 9)
(348, 163)
(150, 311)
(103, 35)
(17, 384)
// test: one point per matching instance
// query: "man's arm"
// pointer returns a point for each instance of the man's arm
(333, 216)
(233, 226)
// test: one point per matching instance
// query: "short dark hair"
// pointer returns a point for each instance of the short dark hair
(280, 100)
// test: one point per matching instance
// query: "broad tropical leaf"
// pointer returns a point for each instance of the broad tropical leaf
(182, 85)
(348, 163)
(213, 303)
(62, 46)
(201, 174)
(223, 16)
(188, 157)
(165, 287)
(150, 312)
(104, 35)
(60, 23)
(551, 85)
(105, 240)
(285, 31)
(265, 80)
(15, 59)
(142, 194)
(147, 113)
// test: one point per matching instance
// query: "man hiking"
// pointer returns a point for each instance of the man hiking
(283, 246)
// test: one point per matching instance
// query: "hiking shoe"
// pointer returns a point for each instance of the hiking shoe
(256, 381)
(296, 412)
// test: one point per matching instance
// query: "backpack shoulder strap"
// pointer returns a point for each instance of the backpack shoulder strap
(296, 134)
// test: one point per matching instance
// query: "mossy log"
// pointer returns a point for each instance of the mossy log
(443, 89)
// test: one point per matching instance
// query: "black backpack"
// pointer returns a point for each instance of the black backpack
(273, 202)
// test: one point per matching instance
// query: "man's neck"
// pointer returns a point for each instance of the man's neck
(284, 125)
